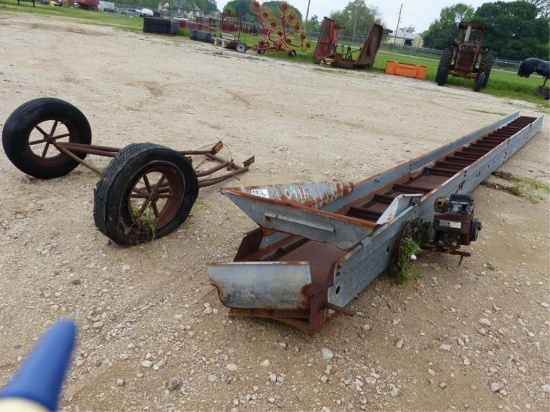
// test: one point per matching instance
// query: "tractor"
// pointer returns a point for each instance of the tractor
(467, 58)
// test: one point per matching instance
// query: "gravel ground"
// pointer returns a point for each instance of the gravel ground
(152, 333)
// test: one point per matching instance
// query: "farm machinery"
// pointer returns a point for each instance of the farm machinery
(284, 34)
(467, 58)
(318, 245)
(533, 65)
(146, 191)
(228, 39)
(87, 4)
(328, 51)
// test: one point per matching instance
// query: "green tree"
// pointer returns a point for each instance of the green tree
(517, 29)
(206, 6)
(356, 18)
(543, 7)
(274, 8)
(445, 31)
(313, 24)
(408, 29)
(241, 8)
(244, 8)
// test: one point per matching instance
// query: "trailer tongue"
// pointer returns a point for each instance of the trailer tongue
(319, 245)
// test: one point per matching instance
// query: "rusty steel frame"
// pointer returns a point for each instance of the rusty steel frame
(69, 149)
(326, 50)
(319, 245)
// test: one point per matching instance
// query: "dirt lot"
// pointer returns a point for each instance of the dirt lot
(152, 333)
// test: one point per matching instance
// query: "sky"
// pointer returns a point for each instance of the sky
(417, 13)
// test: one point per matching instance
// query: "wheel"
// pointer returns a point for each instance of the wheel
(444, 65)
(487, 74)
(146, 192)
(485, 65)
(410, 229)
(480, 81)
(32, 132)
(241, 48)
(442, 76)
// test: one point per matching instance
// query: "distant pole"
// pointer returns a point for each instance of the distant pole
(307, 14)
(397, 28)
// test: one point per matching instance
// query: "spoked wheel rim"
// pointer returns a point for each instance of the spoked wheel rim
(409, 229)
(156, 197)
(45, 139)
(35, 133)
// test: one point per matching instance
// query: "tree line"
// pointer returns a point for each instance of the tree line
(518, 29)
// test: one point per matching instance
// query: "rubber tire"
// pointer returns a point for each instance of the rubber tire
(20, 124)
(485, 65)
(241, 47)
(480, 81)
(487, 74)
(444, 65)
(442, 76)
(111, 194)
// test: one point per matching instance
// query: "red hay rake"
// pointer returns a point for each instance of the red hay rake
(287, 28)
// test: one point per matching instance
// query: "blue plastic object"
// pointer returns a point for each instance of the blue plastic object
(41, 377)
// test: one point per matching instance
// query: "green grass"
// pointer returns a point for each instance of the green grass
(525, 187)
(134, 24)
(534, 183)
(502, 83)
(406, 268)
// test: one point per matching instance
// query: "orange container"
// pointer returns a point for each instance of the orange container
(390, 67)
(407, 70)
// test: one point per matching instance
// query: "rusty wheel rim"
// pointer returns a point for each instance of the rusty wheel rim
(409, 229)
(156, 197)
(46, 137)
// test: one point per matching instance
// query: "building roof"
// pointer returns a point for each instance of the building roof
(407, 36)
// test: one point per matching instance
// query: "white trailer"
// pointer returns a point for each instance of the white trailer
(106, 6)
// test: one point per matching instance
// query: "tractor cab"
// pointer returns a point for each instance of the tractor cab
(469, 46)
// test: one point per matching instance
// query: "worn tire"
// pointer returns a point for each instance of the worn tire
(480, 81)
(241, 47)
(29, 122)
(117, 195)
(485, 65)
(441, 76)
(445, 61)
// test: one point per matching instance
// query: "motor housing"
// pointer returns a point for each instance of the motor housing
(454, 223)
